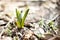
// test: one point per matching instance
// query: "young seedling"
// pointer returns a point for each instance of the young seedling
(21, 16)
(52, 27)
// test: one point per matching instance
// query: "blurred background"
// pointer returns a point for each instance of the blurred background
(38, 8)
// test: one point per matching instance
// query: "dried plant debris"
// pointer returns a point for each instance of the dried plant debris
(31, 31)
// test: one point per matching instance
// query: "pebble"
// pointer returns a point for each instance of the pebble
(6, 38)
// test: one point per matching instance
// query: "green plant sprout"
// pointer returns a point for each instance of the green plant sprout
(50, 27)
(51, 24)
(8, 31)
(41, 22)
(21, 16)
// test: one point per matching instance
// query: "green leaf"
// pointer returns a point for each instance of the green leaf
(24, 17)
(51, 24)
(18, 15)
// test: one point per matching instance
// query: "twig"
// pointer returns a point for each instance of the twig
(6, 26)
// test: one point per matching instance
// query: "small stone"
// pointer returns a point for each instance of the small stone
(2, 22)
(47, 36)
(6, 38)
(33, 38)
